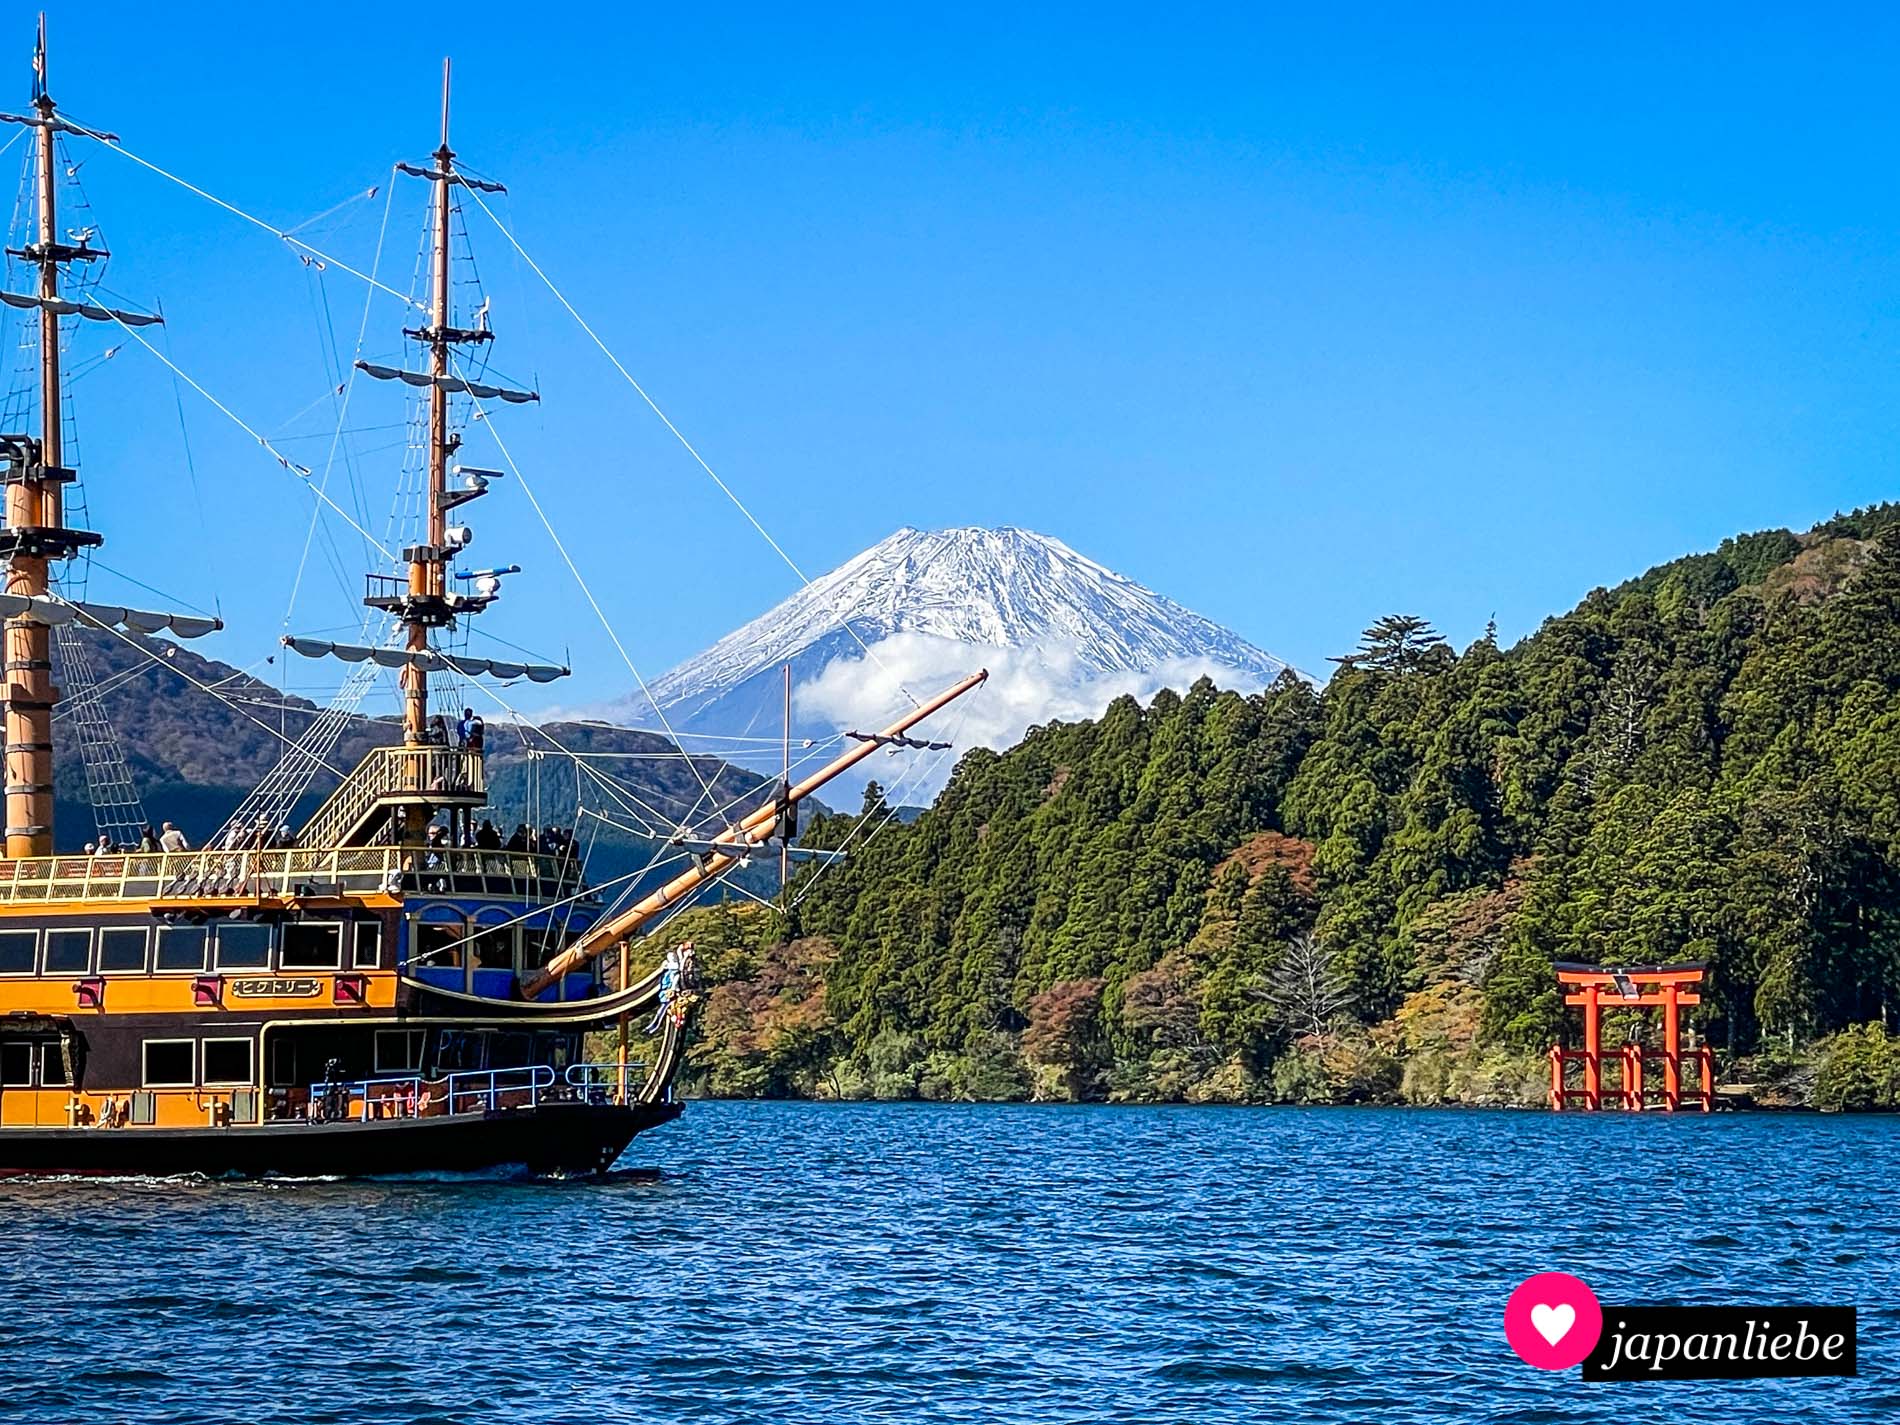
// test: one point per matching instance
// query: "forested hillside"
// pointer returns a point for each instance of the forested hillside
(1358, 892)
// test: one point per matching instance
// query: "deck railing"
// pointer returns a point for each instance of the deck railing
(280, 874)
(607, 1083)
(391, 774)
(412, 1096)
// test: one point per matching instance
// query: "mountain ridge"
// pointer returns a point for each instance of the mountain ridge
(926, 605)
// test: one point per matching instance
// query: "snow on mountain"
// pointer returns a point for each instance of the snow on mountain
(1061, 635)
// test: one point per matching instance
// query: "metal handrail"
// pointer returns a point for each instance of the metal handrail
(281, 872)
(396, 772)
(409, 1093)
(489, 1097)
(607, 1083)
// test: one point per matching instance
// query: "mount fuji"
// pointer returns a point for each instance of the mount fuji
(1061, 635)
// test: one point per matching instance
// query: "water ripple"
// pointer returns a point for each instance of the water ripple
(917, 1264)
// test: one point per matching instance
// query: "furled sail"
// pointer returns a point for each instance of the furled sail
(460, 179)
(61, 308)
(430, 661)
(454, 385)
(54, 612)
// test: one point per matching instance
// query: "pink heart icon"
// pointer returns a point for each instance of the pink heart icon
(1552, 1321)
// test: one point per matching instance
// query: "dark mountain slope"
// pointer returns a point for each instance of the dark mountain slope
(194, 757)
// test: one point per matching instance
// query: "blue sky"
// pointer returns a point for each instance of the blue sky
(1299, 319)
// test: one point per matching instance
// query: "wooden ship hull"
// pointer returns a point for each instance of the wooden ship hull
(563, 1138)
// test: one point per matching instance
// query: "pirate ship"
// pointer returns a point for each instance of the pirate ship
(365, 993)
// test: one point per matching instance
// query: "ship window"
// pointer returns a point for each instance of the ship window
(399, 1051)
(181, 947)
(52, 1067)
(122, 948)
(546, 943)
(16, 951)
(494, 945)
(169, 1062)
(457, 1052)
(283, 1061)
(16, 1065)
(243, 947)
(227, 1061)
(311, 947)
(68, 952)
(437, 943)
(369, 945)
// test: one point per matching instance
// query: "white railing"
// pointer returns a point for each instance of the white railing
(607, 1083)
(393, 774)
(412, 1096)
(258, 875)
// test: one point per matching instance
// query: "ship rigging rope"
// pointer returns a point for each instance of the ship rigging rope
(481, 412)
(524, 726)
(622, 794)
(98, 563)
(890, 802)
(489, 927)
(201, 686)
(685, 444)
(343, 408)
(110, 142)
(302, 471)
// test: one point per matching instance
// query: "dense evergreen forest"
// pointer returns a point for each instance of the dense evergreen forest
(1357, 893)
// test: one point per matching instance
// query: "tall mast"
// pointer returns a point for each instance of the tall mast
(428, 599)
(428, 566)
(35, 535)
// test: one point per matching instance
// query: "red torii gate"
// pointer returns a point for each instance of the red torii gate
(1595, 988)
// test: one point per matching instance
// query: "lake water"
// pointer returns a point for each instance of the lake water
(913, 1263)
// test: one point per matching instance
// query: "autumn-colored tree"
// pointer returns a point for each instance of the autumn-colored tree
(1065, 1033)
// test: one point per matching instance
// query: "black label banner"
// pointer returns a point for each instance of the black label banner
(1724, 1343)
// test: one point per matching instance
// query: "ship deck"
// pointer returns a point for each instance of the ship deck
(286, 874)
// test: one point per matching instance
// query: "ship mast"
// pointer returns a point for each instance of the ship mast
(428, 562)
(426, 600)
(35, 535)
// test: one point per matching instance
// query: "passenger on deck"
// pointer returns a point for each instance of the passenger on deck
(106, 848)
(92, 848)
(519, 841)
(170, 838)
(438, 733)
(148, 839)
(472, 730)
(486, 837)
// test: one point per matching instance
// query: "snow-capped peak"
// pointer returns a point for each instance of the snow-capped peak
(1001, 588)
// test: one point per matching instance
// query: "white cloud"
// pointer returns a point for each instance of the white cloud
(1044, 682)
